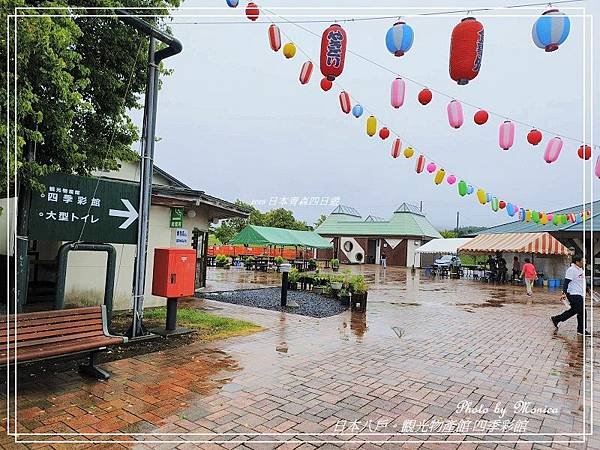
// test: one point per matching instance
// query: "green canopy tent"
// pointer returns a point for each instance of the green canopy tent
(280, 237)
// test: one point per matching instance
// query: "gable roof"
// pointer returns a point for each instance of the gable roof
(406, 221)
(256, 235)
(532, 227)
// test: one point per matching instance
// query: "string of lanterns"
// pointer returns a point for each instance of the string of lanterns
(332, 59)
(549, 31)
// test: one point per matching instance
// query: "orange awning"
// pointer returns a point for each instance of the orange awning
(537, 243)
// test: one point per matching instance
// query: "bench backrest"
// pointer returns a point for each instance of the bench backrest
(54, 326)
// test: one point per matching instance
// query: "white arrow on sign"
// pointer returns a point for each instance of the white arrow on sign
(131, 214)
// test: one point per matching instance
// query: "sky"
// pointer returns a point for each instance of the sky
(234, 121)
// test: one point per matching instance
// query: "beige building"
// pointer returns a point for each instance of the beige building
(86, 271)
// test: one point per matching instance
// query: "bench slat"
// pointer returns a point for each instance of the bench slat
(55, 313)
(58, 320)
(62, 348)
(22, 331)
(29, 335)
(51, 340)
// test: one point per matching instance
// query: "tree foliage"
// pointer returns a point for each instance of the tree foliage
(279, 218)
(77, 76)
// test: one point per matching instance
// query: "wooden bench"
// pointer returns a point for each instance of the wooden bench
(52, 334)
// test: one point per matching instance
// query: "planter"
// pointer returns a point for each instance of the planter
(335, 269)
(345, 300)
(293, 286)
(317, 289)
(336, 285)
(227, 266)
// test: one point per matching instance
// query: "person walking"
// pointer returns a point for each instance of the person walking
(573, 291)
(516, 268)
(529, 274)
(383, 260)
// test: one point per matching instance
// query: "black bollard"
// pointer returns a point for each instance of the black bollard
(284, 269)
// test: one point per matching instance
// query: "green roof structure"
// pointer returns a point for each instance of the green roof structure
(532, 227)
(407, 220)
(280, 237)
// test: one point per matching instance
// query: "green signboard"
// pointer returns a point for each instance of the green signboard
(75, 208)
(176, 217)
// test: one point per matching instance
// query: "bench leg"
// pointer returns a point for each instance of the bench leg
(92, 370)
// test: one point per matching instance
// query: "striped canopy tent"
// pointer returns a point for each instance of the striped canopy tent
(531, 243)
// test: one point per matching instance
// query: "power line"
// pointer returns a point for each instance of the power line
(386, 17)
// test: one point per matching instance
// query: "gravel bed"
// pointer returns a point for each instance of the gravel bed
(310, 304)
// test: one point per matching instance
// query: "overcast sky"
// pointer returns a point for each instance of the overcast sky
(234, 120)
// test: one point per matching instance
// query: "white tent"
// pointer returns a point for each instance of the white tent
(443, 246)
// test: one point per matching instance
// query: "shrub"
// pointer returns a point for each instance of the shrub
(279, 260)
(358, 285)
(221, 260)
(312, 264)
(334, 262)
(293, 276)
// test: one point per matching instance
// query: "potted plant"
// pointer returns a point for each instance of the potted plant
(278, 260)
(312, 264)
(248, 262)
(358, 288)
(344, 297)
(336, 283)
(222, 261)
(320, 282)
(335, 264)
(293, 277)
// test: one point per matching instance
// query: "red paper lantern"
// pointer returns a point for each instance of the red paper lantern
(534, 137)
(274, 37)
(333, 51)
(584, 152)
(305, 72)
(396, 147)
(501, 204)
(345, 102)
(326, 84)
(252, 11)
(481, 117)
(420, 165)
(425, 96)
(466, 50)
(384, 133)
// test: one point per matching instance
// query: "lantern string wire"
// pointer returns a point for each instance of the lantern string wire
(437, 91)
(387, 17)
(392, 131)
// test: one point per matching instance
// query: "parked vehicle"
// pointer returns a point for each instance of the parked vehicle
(447, 261)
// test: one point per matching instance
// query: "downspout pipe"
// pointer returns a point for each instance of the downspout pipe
(174, 46)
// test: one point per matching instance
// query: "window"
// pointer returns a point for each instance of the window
(348, 246)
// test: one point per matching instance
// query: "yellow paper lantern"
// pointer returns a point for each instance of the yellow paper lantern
(371, 126)
(528, 216)
(543, 218)
(289, 50)
(439, 176)
(481, 196)
(409, 152)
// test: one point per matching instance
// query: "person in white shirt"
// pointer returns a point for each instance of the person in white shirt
(574, 290)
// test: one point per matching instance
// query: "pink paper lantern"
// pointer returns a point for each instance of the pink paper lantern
(597, 168)
(506, 135)
(455, 114)
(553, 149)
(431, 167)
(451, 179)
(549, 216)
(397, 97)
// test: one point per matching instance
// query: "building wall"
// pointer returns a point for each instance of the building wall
(86, 271)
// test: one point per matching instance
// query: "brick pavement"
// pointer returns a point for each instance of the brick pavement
(423, 347)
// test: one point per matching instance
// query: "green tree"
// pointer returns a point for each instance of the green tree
(77, 78)
(449, 234)
(320, 220)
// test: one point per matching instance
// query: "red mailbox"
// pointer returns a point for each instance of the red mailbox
(174, 272)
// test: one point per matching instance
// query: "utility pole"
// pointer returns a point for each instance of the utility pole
(457, 222)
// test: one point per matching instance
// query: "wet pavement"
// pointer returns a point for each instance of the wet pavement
(395, 375)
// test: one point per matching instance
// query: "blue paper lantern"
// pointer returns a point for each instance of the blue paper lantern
(399, 38)
(489, 197)
(357, 110)
(522, 214)
(233, 3)
(550, 30)
(510, 209)
(470, 190)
